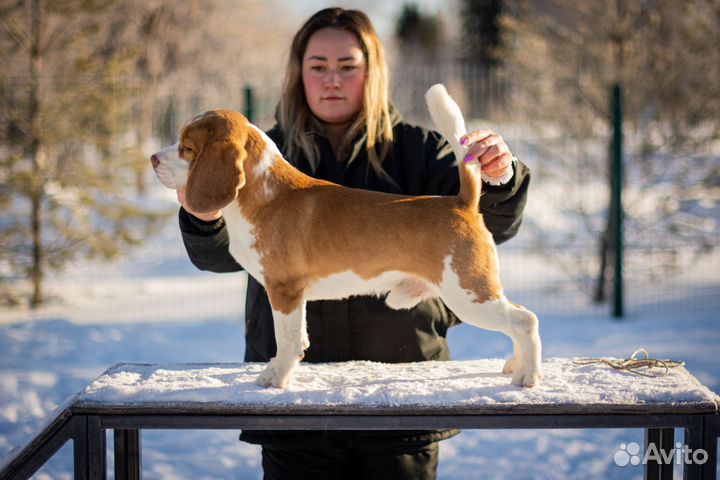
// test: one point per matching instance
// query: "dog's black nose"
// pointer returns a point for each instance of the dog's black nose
(155, 161)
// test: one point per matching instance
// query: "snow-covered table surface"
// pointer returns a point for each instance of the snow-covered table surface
(463, 387)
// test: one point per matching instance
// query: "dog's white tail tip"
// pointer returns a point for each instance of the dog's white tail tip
(446, 114)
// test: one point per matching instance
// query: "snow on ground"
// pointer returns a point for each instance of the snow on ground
(156, 308)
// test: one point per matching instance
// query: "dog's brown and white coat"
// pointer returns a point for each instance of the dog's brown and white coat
(308, 239)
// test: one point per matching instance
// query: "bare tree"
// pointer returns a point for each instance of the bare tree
(565, 55)
(162, 37)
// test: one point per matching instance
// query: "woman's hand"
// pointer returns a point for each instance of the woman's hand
(490, 150)
(207, 217)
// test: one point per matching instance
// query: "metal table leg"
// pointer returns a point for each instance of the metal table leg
(661, 440)
(694, 439)
(89, 448)
(710, 445)
(128, 459)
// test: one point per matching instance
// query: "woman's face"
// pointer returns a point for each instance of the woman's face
(333, 72)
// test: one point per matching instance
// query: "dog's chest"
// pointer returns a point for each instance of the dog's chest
(243, 245)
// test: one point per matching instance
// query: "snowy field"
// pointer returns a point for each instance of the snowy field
(154, 307)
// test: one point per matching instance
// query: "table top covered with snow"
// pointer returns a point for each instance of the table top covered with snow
(456, 387)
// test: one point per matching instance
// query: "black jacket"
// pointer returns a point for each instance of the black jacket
(363, 327)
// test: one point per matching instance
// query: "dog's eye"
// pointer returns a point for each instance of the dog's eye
(187, 149)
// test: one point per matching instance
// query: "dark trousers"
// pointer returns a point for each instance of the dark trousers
(324, 462)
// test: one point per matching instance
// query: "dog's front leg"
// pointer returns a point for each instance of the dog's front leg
(291, 339)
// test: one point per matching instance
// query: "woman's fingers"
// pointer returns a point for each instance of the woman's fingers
(487, 149)
(484, 144)
(498, 166)
(490, 149)
(475, 136)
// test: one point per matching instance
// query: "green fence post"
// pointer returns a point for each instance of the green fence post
(249, 103)
(168, 127)
(618, 301)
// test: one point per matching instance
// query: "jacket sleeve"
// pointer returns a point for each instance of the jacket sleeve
(501, 206)
(207, 243)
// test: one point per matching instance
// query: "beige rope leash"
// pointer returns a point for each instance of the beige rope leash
(635, 364)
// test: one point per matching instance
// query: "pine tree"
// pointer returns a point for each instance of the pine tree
(481, 31)
(420, 36)
(65, 103)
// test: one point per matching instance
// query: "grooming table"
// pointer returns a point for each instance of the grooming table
(128, 398)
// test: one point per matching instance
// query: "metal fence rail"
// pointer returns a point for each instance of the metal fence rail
(484, 93)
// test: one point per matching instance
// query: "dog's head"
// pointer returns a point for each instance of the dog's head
(208, 160)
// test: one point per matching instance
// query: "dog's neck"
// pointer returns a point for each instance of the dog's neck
(268, 176)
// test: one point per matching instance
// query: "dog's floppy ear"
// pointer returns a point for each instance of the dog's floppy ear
(215, 176)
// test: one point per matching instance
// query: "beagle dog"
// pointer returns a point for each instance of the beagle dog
(308, 239)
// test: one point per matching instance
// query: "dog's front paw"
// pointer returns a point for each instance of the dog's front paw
(273, 376)
(511, 365)
(527, 377)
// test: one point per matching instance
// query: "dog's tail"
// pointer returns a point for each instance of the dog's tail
(449, 122)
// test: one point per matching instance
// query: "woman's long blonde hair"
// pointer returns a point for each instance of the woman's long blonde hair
(297, 121)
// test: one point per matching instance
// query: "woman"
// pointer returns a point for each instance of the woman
(335, 122)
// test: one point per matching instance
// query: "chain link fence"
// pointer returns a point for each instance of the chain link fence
(551, 266)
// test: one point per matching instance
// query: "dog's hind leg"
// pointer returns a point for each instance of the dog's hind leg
(290, 336)
(524, 331)
(516, 322)
(472, 303)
